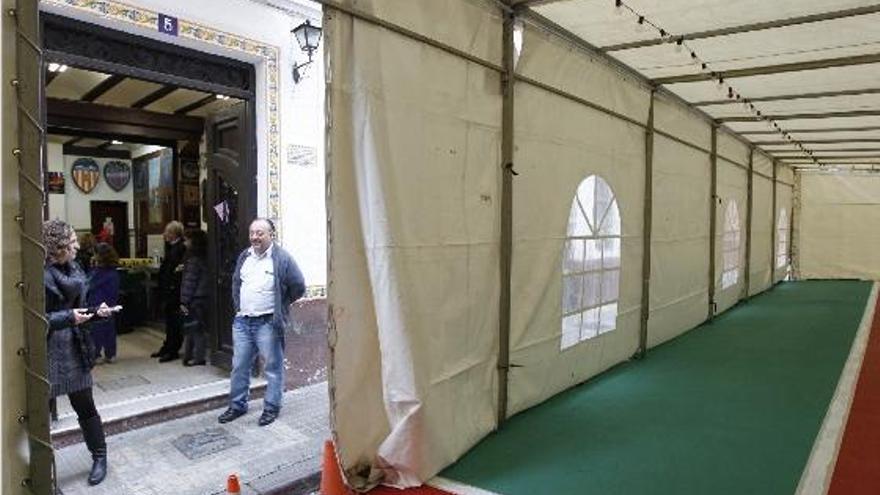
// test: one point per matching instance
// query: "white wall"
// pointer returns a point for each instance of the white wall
(78, 202)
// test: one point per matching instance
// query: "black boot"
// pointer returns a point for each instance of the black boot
(93, 433)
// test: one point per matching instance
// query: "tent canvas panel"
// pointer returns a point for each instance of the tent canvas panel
(413, 156)
(679, 240)
(554, 155)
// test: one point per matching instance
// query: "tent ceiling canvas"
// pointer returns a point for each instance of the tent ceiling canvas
(810, 65)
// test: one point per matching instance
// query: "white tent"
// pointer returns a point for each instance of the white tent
(524, 194)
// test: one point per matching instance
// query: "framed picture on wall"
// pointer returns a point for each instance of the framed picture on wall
(55, 182)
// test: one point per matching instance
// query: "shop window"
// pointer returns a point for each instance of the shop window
(591, 263)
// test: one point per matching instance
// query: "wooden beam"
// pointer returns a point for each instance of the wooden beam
(195, 105)
(154, 96)
(801, 96)
(73, 141)
(796, 116)
(871, 58)
(757, 26)
(135, 125)
(96, 152)
(102, 87)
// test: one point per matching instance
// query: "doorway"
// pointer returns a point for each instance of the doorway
(109, 221)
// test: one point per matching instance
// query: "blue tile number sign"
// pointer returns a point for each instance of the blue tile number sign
(168, 24)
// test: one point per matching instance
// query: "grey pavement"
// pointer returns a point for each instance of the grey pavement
(195, 455)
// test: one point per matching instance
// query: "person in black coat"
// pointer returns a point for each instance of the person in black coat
(194, 297)
(70, 348)
(169, 286)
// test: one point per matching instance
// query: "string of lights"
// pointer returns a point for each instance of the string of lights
(643, 22)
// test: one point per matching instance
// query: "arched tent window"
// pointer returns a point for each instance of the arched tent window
(730, 274)
(782, 239)
(590, 263)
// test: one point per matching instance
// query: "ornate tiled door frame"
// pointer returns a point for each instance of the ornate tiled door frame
(146, 21)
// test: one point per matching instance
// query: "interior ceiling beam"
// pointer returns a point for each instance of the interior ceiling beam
(811, 131)
(802, 96)
(825, 63)
(195, 105)
(796, 116)
(102, 87)
(76, 118)
(50, 76)
(745, 28)
(154, 96)
(71, 142)
(820, 141)
(96, 152)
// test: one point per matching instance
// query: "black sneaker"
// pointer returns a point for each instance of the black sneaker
(230, 415)
(267, 418)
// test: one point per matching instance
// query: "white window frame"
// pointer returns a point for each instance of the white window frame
(591, 314)
(782, 239)
(730, 244)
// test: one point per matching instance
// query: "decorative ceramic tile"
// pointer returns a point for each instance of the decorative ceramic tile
(148, 19)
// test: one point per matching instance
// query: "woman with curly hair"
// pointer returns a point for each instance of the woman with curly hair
(71, 351)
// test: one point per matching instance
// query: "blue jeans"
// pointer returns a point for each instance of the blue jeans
(250, 336)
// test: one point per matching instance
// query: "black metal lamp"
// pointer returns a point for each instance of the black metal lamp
(308, 37)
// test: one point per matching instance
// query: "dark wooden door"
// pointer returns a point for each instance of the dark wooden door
(231, 205)
(118, 212)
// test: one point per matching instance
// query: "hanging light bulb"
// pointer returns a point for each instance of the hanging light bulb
(640, 24)
(679, 43)
(618, 7)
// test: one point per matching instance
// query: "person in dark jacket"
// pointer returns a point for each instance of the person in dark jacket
(266, 282)
(194, 297)
(104, 288)
(71, 352)
(86, 251)
(169, 286)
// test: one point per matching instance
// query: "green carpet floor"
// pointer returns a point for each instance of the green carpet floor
(731, 407)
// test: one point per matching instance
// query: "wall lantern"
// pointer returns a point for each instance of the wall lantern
(308, 37)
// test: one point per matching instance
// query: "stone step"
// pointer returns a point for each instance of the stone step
(142, 411)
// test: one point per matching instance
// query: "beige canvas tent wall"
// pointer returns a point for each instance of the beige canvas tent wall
(420, 247)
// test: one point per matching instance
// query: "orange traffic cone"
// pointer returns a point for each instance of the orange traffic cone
(331, 476)
(232, 486)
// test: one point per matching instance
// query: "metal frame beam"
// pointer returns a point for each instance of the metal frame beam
(825, 63)
(648, 229)
(801, 96)
(746, 28)
(811, 130)
(747, 275)
(834, 157)
(793, 153)
(713, 220)
(506, 235)
(797, 116)
(821, 141)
